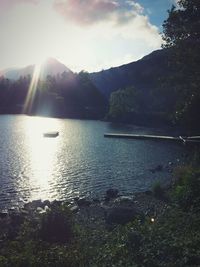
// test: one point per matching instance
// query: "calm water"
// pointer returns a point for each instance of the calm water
(78, 162)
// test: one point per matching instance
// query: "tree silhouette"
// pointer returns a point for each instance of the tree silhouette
(182, 33)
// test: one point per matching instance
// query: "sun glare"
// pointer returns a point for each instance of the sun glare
(42, 153)
(32, 90)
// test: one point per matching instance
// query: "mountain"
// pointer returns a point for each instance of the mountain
(140, 93)
(58, 93)
(53, 67)
(86, 95)
(142, 74)
(50, 66)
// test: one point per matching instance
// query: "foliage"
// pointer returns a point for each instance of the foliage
(65, 95)
(172, 240)
(182, 33)
(124, 103)
(187, 188)
(158, 191)
(56, 226)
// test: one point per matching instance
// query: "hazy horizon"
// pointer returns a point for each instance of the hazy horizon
(89, 35)
(32, 64)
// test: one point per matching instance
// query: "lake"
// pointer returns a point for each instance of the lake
(79, 162)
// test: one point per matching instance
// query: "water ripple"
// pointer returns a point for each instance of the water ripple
(78, 162)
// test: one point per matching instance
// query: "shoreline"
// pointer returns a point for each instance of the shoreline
(114, 210)
(156, 127)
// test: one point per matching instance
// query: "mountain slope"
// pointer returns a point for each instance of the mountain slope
(142, 74)
(50, 66)
(139, 90)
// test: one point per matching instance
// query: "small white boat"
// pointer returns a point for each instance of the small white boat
(51, 134)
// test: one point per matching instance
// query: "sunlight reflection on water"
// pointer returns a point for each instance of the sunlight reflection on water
(42, 153)
(79, 162)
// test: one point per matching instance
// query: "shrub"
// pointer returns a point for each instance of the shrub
(56, 226)
(186, 191)
(158, 191)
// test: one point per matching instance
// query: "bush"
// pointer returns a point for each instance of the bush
(186, 191)
(56, 226)
(158, 191)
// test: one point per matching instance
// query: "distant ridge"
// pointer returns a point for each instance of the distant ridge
(142, 74)
(51, 66)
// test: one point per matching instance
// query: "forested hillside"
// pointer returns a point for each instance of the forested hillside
(66, 95)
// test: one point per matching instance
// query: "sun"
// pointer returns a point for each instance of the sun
(39, 62)
(32, 88)
(37, 74)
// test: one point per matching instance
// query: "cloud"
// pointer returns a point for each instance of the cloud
(108, 31)
(89, 12)
(94, 34)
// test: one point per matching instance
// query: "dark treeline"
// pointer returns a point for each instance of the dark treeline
(65, 95)
(175, 95)
(162, 88)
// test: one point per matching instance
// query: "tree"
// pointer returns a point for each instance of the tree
(182, 34)
(123, 103)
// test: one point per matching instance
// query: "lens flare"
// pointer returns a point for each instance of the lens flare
(32, 90)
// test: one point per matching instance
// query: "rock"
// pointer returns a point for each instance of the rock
(33, 205)
(14, 209)
(74, 208)
(159, 168)
(152, 170)
(24, 212)
(40, 210)
(83, 202)
(120, 215)
(46, 208)
(56, 203)
(3, 214)
(123, 199)
(96, 200)
(148, 193)
(111, 193)
(46, 203)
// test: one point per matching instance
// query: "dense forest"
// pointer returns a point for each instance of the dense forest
(165, 85)
(66, 95)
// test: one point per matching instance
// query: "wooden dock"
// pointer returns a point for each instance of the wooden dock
(195, 139)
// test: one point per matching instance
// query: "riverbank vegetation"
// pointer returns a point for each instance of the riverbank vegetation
(60, 235)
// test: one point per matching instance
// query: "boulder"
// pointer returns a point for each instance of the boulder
(3, 214)
(158, 168)
(120, 215)
(33, 205)
(74, 208)
(83, 202)
(124, 200)
(55, 203)
(148, 193)
(111, 193)
(46, 203)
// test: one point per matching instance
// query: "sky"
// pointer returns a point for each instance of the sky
(86, 35)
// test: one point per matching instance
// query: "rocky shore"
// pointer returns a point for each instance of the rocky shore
(113, 210)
